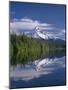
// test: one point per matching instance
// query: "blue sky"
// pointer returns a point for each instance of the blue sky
(52, 15)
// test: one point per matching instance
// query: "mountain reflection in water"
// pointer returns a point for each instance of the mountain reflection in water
(36, 68)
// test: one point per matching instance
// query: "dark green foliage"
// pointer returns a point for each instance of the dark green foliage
(25, 49)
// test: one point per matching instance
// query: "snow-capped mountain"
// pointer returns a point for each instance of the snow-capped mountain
(41, 34)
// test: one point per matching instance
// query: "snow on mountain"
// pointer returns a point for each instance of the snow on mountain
(42, 34)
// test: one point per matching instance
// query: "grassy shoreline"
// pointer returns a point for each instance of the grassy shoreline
(24, 49)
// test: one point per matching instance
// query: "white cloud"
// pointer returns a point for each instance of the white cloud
(26, 20)
(61, 34)
(27, 24)
(57, 34)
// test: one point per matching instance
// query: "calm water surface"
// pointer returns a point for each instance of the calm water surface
(41, 72)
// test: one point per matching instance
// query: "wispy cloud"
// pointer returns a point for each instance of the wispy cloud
(27, 24)
(61, 34)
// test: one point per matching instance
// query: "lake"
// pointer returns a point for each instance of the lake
(44, 72)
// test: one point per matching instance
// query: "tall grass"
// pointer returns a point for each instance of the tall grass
(25, 49)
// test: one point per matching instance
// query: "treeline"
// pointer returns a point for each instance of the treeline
(25, 49)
